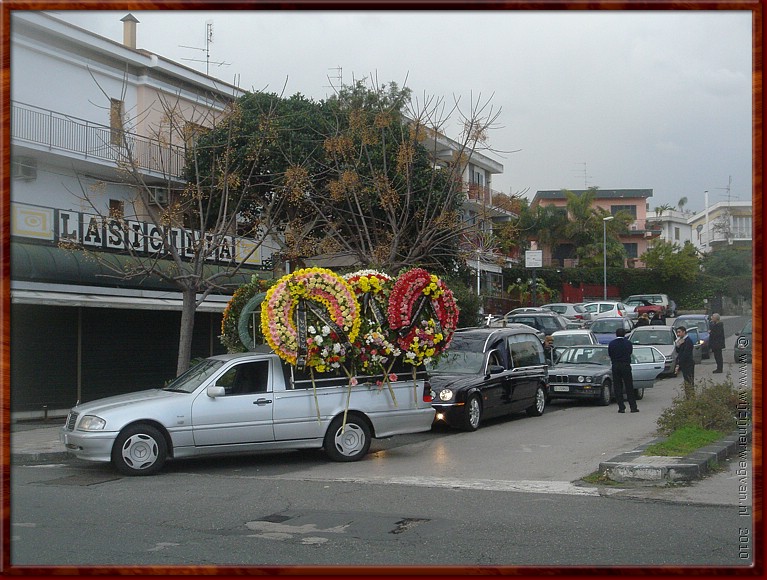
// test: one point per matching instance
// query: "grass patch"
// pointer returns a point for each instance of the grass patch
(684, 441)
(598, 478)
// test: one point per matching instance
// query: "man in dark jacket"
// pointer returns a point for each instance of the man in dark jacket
(685, 361)
(716, 340)
(620, 350)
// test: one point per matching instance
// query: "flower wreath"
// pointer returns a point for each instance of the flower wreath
(232, 336)
(376, 345)
(423, 311)
(310, 318)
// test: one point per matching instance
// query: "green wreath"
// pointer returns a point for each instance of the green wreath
(232, 336)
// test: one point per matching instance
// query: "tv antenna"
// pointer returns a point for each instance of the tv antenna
(339, 77)
(208, 42)
(585, 176)
(727, 189)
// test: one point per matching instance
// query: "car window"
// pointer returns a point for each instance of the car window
(652, 337)
(605, 326)
(642, 355)
(526, 350)
(559, 309)
(591, 307)
(579, 309)
(585, 355)
(245, 379)
(194, 377)
(605, 307)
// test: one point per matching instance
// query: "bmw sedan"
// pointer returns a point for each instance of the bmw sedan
(586, 372)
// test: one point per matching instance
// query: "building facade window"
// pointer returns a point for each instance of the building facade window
(631, 250)
(116, 209)
(676, 233)
(741, 226)
(630, 209)
(116, 121)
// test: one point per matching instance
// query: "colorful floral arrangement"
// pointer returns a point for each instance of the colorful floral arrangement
(310, 318)
(422, 309)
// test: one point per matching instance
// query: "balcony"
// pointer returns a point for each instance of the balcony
(499, 204)
(58, 132)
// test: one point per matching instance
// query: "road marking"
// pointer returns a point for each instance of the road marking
(555, 487)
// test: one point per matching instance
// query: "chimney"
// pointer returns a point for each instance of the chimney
(129, 31)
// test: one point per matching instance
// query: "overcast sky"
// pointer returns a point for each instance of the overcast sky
(658, 100)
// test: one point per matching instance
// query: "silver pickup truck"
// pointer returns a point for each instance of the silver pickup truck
(243, 403)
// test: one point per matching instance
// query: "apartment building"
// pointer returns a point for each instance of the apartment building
(633, 201)
(725, 223)
(78, 100)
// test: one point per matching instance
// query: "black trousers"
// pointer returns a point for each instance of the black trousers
(688, 376)
(623, 380)
(718, 358)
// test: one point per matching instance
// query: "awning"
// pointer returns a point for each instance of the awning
(62, 295)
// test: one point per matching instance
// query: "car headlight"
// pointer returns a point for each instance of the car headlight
(445, 395)
(669, 358)
(581, 379)
(92, 423)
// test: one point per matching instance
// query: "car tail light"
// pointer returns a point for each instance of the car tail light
(427, 392)
(579, 317)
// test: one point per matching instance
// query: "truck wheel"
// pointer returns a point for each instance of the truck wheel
(139, 450)
(349, 442)
(472, 414)
(537, 408)
(605, 394)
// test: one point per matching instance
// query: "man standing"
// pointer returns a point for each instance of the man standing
(620, 350)
(685, 361)
(716, 340)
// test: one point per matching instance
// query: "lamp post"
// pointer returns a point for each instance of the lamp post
(604, 246)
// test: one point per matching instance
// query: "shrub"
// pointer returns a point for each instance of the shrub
(714, 406)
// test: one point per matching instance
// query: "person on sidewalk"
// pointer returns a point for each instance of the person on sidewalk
(716, 340)
(685, 361)
(620, 350)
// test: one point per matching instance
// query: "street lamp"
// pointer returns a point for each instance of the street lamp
(604, 245)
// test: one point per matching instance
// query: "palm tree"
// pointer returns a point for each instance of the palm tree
(681, 203)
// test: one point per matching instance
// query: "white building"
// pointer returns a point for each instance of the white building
(726, 223)
(74, 96)
(672, 226)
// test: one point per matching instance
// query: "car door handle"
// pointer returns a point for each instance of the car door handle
(262, 402)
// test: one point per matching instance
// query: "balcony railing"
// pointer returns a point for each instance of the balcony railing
(57, 131)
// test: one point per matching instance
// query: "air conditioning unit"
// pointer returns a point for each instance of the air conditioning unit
(24, 168)
(158, 195)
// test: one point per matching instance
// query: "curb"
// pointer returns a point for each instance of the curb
(39, 457)
(635, 467)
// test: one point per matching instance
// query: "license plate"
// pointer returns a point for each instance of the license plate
(561, 388)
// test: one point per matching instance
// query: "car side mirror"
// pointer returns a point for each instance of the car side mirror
(215, 391)
(495, 369)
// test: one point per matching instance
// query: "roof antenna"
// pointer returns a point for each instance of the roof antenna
(208, 42)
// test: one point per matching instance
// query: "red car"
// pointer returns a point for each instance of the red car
(641, 306)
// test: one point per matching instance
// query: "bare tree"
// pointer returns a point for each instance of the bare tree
(196, 213)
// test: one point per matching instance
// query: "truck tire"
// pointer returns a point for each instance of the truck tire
(349, 442)
(139, 450)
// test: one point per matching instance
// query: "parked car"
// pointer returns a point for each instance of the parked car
(586, 372)
(659, 299)
(545, 321)
(574, 312)
(699, 321)
(605, 309)
(489, 372)
(672, 313)
(242, 403)
(604, 328)
(697, 345)
(638, 306)
(743, 344)
(574, 337)
(662, 338)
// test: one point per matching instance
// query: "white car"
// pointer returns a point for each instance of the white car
(606, 309)
(574, 312)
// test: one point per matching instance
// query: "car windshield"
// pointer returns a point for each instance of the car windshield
(605, 326)
(638, 302)
(746, 328)
(591, 355)
(194, 377)
(464, 357)
(701, 325)
(652, 337)
(570, 339)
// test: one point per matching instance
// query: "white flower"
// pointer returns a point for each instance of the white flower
(325, 330)
(336, 348)
(318, 339)
(311, 330)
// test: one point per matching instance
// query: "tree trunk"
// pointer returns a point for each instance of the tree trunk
(186, 329)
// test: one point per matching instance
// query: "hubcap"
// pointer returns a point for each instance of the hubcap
(350, 439)
(474, 412)
(540, 400)
(140, 451)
